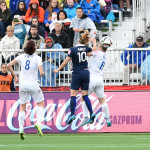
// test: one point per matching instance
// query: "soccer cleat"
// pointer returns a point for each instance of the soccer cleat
(108, 124)
(22, 135)
(92, 117)
(71, 119)
(84, 121)
(38, 128)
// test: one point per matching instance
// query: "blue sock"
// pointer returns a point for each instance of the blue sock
(88, 104)
(72, 104)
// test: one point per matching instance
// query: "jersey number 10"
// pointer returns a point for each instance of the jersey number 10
(82, 56)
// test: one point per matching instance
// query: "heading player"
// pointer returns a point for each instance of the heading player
(80, 74)
(96, 84)
(28, 84)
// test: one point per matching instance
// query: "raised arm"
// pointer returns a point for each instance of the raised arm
(62, 65)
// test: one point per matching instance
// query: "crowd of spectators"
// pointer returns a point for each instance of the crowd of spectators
(60, 20)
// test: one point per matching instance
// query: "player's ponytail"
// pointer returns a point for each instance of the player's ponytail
(84, 37)
(30, 48)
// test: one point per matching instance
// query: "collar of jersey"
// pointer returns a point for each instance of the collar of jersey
(80, 45)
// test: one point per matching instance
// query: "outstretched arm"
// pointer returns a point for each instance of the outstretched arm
(62, 65)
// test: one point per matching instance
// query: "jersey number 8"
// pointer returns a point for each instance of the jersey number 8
(27, 65)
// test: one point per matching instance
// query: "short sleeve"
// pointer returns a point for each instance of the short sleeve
(18, 59)
(39, 61)
(70, 53)
(88, 50)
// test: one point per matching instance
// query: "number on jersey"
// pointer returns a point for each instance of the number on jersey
(102, 66)
(82, 56)
(27, 66)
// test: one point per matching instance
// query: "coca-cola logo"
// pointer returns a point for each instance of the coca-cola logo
(58, 113)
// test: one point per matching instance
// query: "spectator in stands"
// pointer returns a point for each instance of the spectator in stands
(6, 80)
(82, 22)
(128, 11)
(44, 3)
(19, 29)
(41, 30)
(92, 9)
(34, 36)
(21, 10)
(9, 41)
(34, 11)
(5, 15)
(59, 36)
(70, 8)
(62, 17)
(133, 59)
(52, 62)
(53, 8)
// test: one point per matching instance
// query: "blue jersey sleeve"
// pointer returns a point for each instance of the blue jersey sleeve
(70, 53)
(88, 49)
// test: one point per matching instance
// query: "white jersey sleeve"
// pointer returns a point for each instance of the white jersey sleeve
(97, 63)
(29, 68)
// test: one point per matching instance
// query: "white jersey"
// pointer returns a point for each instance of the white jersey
(97, 63)
(29, 68)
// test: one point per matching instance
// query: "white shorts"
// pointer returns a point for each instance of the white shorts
(96, 85)
(30, 89)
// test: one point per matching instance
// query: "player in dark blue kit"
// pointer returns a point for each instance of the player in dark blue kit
(80, 74)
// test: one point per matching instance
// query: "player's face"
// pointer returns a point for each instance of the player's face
(33, 31)
(61, 16)
(4, 69)
(139, 44)
(10, 32)
(79, 13)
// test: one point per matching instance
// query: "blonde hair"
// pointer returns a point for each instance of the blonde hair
(10, 28)
(84, 37)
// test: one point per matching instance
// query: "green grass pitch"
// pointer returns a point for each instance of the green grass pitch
(79, 141)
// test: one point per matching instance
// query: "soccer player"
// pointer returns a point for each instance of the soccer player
(28, 85)
(80, 75)
(96, 84)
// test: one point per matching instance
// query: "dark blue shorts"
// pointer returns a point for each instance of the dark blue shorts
(80, 79)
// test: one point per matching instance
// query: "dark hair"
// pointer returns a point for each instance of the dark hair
(79, 8)
(36, 11)
(25, 7)
(62, 12)
(34, 26)
(3, 64)
(30, 48)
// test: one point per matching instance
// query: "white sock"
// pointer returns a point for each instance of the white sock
(21, 119)
(39, 115)
(128, 9)
(105, 110)
(85, 109)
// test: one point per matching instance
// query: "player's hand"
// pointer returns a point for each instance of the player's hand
(56, 70)
(16, 79)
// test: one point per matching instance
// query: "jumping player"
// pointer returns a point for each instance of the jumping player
(96, 84)
(28, 84)
(80, 74)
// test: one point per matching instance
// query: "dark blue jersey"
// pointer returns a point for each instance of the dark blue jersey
(78, 55)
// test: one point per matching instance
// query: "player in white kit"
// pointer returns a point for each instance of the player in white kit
(28, 84)
(96, 84)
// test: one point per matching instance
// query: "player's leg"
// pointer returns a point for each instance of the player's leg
(39, 99)
(72, 105)
(84, 88)
(75, 85)
(23, 96)
(99, 91)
